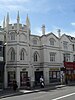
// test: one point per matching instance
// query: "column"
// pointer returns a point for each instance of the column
(5, 77)
(46, 75)
(18, 76)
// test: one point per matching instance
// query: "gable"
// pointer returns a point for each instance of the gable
(64, 38)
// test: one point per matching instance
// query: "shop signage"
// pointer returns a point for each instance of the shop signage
(69, 65)
(54, 69)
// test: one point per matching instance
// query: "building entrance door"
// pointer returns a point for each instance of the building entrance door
(23, 78)
(38, 74)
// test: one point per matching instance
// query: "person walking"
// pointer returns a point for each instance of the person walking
(15, 86)
(41, 82)
(61, 77)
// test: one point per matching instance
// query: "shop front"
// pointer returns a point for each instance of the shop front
(24, 79)
(70, 70)
(54, 74)
(11, 78)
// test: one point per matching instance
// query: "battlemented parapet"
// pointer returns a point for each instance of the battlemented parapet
(14, 27)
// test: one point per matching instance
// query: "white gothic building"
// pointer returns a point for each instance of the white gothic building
(30, 56)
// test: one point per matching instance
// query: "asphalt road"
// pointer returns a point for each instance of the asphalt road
(64, 93)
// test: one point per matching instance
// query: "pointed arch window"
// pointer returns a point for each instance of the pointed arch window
(12, 55)
(35, 57)
(22, 55)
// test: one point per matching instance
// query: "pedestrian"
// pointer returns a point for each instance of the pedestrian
(41, 82)
(61, 77)
(15, 86)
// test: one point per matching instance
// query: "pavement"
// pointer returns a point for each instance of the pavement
(9, 92)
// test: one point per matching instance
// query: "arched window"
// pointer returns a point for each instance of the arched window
(36, 56)
(52, 41)
(22, 55)
(12, 55)
(34, 41)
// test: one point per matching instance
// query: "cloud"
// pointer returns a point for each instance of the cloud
(39, 6)
(11, 2)
(13, 5)
(37, 31)
(1, 23)
(73, 23)
(11, 22)
(15, 8)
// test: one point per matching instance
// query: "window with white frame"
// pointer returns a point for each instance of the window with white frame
(34, 41)
(73, 47)
(65, 45)
(52, 41)
(52, 56)
(22, 55)
(66, 57)
(35, 57)
(12, 55)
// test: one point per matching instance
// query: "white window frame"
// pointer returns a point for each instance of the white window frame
(35, 57)
(52, 56)
(65, 45)
(73, 46)
(52, 41)
(12, 57)
(22, 55)
(67, 57)
(34, 41)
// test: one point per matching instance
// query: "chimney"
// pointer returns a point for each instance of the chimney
(59, 33)
(43, 29)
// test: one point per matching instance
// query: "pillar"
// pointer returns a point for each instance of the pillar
(18, 76)
(5, 77)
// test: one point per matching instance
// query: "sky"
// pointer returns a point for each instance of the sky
(54, 14)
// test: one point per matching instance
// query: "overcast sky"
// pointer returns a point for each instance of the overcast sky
(55, 14)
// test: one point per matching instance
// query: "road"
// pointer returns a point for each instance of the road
(64, 93)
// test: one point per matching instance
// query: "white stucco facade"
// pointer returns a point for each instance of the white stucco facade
(29, 55)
